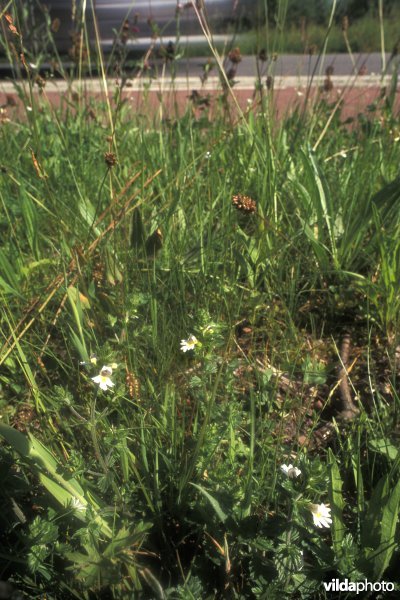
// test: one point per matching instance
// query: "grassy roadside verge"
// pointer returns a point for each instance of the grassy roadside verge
(363, 35)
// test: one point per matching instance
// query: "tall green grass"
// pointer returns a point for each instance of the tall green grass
(122, 235)
(307, 36)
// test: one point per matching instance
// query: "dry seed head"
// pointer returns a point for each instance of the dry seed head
(110, 159)
(234, 56)
(11, 25)
(244, 204)
(40, 82)
(55, 25)
(345, 23)
(99, 273)
(262, 55)
(269, 82)
(133, 385)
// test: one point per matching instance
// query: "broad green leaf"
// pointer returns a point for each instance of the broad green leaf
(125, 539)
(214, 503)
(64, 490)
(63, 497)
(8, 273)
(337, 504)
(30, 216)
(7, 289)
(388, 544)
(371, 525)
(17, 440)
(384, 447)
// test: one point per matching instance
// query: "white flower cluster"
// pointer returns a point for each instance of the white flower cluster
(291, 471)
(321, 513)
(189, 344)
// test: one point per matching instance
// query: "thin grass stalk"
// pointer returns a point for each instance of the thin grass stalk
(382, 35)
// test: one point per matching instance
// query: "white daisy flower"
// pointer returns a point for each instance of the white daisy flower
(291, 471)
(321, 515)
(189, 344)
(78, 505)
(103, 379)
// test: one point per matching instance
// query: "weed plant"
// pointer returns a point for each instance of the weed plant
(199, 360)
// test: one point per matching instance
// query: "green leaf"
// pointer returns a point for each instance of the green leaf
(29, 214)
(138, 233)
(63, 490)
(337, 504)
(63, 497)
(387, 534)
(370, 537)
(214, 503)
(8, 273)
(382, 446)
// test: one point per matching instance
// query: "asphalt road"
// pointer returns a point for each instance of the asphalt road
(286, 71)
(295, 65)
(289, 65)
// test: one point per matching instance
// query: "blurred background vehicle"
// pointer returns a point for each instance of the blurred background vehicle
(67, 25)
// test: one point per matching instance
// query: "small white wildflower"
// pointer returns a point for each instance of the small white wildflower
(103, 379)
(208, 155)
(291, 471)
(189, 344)
(321, 515)
(78, 505)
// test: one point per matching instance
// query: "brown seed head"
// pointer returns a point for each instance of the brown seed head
(55, 25)
(234, 56)
(262, 55)
(110, 159)
(133, 385)
(345, 23)
(40, 82)
(244, 204)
